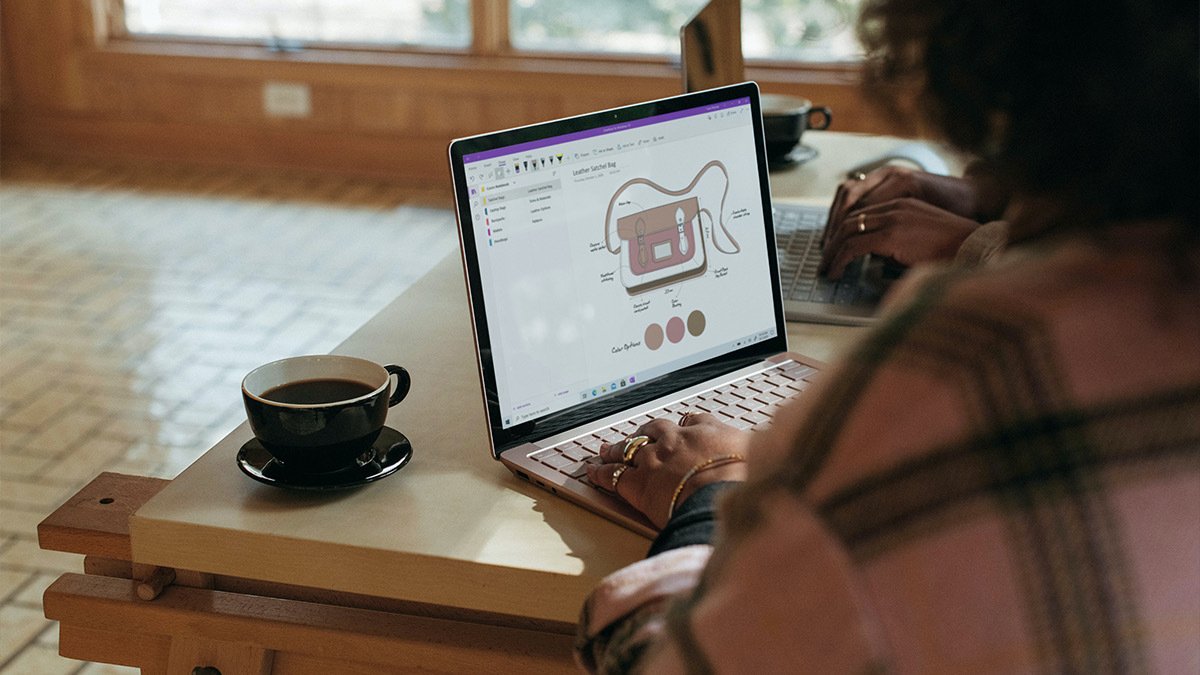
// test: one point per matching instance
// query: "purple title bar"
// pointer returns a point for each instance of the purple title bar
(601, 131)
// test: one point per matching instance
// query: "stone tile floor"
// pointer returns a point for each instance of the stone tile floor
(133, 298)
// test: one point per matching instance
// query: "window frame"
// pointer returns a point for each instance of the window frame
(490, 40)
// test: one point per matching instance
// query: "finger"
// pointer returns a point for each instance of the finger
(835, 211)
(658, 429)
(858, 190)
(869, 242)
(613, 452)
(630, 483)
(601, 475)
(874, 217)
(695, 419)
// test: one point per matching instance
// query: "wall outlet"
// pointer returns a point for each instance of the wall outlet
(287, 99)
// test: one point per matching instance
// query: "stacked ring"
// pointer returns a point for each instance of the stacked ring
(617, 475)
(632, 445)
(862, 222)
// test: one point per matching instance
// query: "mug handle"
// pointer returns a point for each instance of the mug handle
(826, 117)
(403, 383)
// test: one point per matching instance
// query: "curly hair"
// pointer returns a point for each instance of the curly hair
(1095, 105)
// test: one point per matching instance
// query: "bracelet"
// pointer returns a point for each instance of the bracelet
(702, 466)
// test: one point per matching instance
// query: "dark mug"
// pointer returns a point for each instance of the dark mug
(319, 413)
(786, 118)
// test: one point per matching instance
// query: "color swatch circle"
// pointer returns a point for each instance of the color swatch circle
(696, 323)
(675, 329)
(654, 336)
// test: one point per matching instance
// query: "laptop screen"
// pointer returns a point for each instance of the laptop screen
(616, 256)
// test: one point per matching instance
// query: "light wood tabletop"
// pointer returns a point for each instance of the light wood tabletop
(454, 527)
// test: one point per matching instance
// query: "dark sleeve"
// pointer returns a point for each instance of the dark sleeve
(693, 521)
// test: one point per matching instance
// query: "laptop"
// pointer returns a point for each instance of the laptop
(621, 266)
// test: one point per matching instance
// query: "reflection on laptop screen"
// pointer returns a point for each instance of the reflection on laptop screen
(616, 255)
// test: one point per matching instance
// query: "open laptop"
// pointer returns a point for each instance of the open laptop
(621, 266)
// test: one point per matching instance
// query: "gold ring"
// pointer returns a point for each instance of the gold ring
(632, 445)
(687, 417)
(858, 175)
(617, 475)
(862, 222)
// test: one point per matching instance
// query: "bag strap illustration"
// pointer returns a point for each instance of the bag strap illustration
(675, 193)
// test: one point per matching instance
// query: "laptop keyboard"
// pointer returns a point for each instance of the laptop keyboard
(748, 403)
(798, 230)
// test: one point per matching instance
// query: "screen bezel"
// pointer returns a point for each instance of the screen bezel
(594, 409)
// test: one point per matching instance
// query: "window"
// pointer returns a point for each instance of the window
(442, 23)
(792, 30)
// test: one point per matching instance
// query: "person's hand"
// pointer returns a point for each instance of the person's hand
(888, 183)
(906, 230)
(649, 479)
(900, 209)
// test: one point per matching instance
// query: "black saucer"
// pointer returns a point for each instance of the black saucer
(801, 154)
(390, 452)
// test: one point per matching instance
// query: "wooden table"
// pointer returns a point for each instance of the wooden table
(453, 565)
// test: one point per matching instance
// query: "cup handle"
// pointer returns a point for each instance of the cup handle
(403, 383)
(826, 117)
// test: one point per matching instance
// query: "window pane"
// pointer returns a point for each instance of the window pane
(817, 30)
(425, 22)
(800, 30)
(630, 26)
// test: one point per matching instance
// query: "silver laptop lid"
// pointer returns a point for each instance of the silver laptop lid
(616, 257)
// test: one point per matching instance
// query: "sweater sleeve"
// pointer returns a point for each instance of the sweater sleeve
(693, 522)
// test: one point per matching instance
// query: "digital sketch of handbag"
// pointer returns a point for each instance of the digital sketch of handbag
(664, 244)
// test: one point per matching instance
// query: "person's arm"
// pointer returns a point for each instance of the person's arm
(694, 522)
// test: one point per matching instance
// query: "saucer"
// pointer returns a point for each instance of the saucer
(387, 455)
(799, 155)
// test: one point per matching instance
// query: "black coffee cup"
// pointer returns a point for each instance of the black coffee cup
(786, 118)
(319, 413)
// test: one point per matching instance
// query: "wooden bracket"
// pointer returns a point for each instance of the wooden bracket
(95, 521)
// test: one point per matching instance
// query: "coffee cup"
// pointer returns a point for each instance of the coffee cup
(786, 118)
(319, 413)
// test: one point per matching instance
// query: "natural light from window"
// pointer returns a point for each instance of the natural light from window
(295, 23)
(792, 30)
(789, 30)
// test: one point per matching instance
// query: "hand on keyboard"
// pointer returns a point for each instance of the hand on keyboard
(907, 216)
(697, 447)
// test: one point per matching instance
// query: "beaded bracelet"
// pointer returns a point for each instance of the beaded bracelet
(707, 464)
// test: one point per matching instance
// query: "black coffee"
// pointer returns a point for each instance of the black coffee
(324, 390)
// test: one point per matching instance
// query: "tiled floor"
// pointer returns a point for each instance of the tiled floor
(132, 301)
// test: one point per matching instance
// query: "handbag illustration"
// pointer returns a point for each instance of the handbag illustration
(664, 244)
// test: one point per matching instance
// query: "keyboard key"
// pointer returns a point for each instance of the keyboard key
(609, 435)
(740, 423)
(768, 398)
(577, 453)
(556, 460)
(756, 418)
(576, 470)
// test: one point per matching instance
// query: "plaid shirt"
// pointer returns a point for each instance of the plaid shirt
(1004, 476)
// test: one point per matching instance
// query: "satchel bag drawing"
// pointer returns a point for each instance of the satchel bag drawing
(664, 244)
